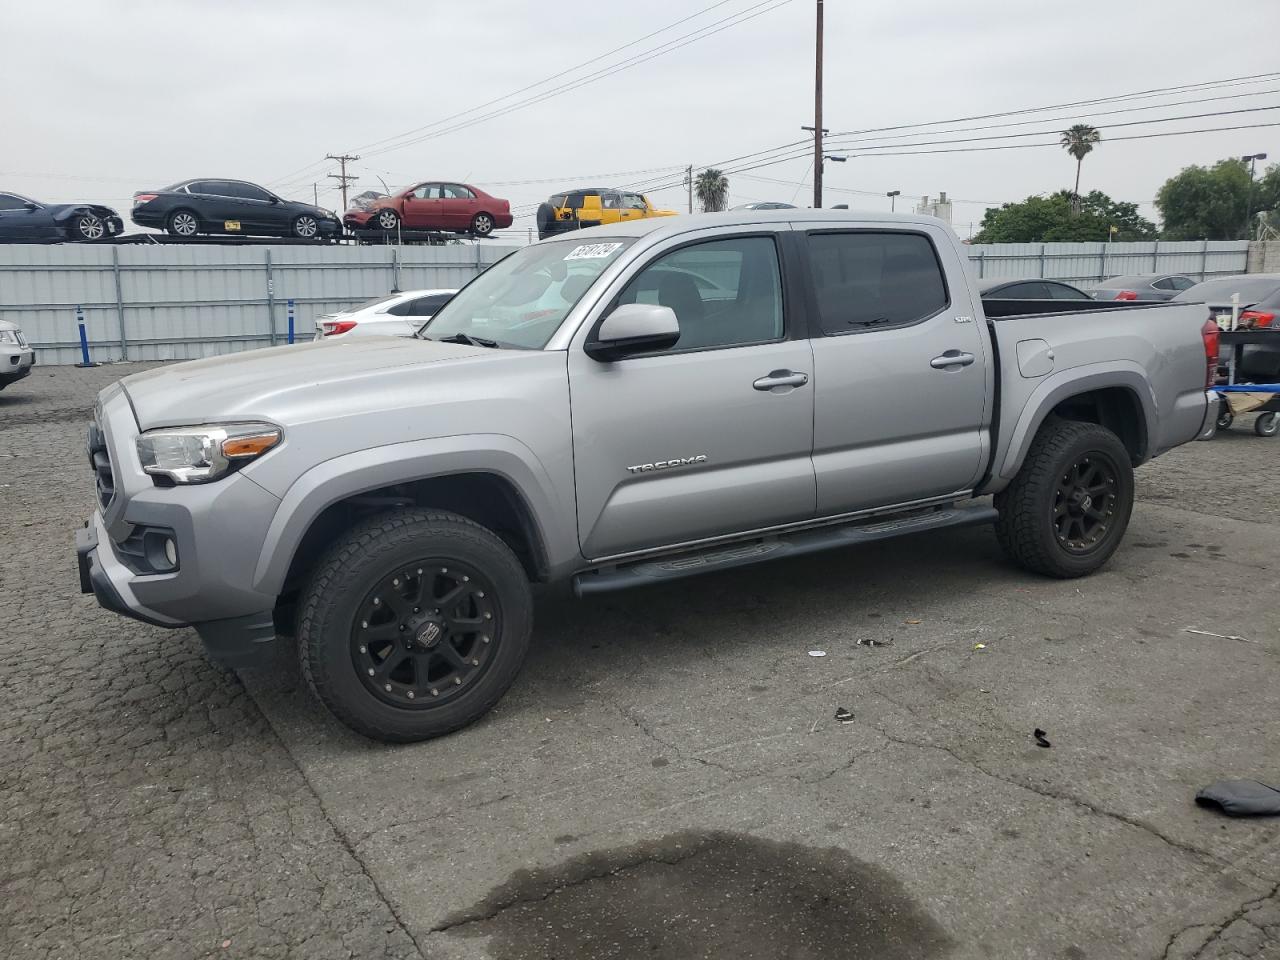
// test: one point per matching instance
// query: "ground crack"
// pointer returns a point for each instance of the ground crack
(632, 717)
(1219, 928)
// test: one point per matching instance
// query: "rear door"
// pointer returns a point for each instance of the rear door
(457, 206)
(713, 435)
(900, 366)
(423, 208)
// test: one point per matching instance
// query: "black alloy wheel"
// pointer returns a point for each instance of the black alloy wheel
(1085, 503)
(424, 633)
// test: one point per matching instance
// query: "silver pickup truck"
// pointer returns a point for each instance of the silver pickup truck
(630, 405)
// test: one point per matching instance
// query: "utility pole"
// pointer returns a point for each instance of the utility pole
(688, 182)
(315, 194)
(817, 116)
(342, 178)
(1248, 207)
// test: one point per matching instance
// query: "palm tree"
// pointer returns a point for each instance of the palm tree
(712, 188)
(1078, 141)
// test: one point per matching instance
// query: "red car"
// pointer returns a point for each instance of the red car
(456, 207)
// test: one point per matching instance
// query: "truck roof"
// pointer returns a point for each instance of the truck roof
(684, 223)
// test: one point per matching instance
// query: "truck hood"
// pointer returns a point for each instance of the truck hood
(267, 382)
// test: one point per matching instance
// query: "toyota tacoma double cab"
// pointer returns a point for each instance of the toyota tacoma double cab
(626, 406)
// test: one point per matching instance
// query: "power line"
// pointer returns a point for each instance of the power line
(671, 46)
(546, 80)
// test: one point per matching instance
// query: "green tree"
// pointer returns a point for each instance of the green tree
(1078, 140)
(1208, 203)
(712, 188)
(1051, 219)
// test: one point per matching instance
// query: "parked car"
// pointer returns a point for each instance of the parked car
(1007, 288)
(235, 207)
(1142, 286)
(16, 356)
(434, 205)
(765, 205)
(395, 315)
(1259, 306)
(592, 207)
(23, 220)
(389, 504)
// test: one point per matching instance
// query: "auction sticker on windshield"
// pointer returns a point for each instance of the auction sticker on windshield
(592, 251)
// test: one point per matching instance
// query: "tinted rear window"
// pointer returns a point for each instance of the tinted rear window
(865, 280)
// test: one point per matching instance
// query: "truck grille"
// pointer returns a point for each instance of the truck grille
(100, 462)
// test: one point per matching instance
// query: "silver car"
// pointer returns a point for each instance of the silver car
(395, 315)
(16, 356)
(1143, 286)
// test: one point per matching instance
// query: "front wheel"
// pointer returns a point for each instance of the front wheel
(1225, 417)
(1265, 425)
(1066, 511)
(89, 226)
(482, 224)
(305, 227)
(388, 220)
(414, 625)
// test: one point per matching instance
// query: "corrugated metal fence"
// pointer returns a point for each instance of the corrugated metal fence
(176, 302)
(1087, 263)
(171, 302)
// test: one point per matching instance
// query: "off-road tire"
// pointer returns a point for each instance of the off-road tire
(1026, 526)
(354, 566)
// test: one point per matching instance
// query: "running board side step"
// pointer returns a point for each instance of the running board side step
(677, 566)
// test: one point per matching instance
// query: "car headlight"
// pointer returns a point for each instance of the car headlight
(205, 453)
(9, 336)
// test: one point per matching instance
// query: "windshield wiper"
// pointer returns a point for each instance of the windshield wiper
(468, 339)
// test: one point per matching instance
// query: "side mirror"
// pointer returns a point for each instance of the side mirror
(275, 199)
(634, 328)
(31, 206)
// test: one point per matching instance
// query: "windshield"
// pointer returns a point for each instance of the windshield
(522, 300)
(1251, 289)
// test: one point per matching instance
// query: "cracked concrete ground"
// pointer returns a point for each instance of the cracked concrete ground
(152, 805)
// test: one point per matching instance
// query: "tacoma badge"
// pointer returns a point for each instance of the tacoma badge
(667, 464)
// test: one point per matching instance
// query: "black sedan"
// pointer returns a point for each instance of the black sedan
(1009, 288)
(230, 207)
(23, 220)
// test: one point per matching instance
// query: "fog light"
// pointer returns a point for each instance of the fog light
(171, 551)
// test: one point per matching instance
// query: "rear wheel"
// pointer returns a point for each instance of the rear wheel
(1066, 511)
(482, 224)
(183, 223)
(387, 220)
(89, 226)
(1265, 425)
(414, 625)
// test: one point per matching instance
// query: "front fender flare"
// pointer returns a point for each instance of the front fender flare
(1069, 383)
(376, 467)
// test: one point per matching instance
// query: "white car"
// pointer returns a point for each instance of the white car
(395, 315)
(16, 356)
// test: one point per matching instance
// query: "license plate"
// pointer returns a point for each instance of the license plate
(230, 225)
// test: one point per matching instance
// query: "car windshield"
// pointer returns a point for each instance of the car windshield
(521, 300)
(1219, 291)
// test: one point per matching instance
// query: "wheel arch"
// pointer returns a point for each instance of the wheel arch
(498, 488)
(1119, 398)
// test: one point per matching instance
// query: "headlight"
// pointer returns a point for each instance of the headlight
(9, 336)
(206, 453)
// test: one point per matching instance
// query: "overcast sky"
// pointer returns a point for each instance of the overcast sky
(105, 97)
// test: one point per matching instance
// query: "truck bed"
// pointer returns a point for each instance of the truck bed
(1136, 351)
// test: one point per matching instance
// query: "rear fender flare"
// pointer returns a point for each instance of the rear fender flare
(1072, 382)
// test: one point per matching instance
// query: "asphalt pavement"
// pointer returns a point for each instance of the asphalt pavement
(668, 778)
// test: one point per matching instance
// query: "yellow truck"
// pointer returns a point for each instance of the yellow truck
(591, 207)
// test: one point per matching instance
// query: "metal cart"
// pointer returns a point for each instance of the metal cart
(1268, 422)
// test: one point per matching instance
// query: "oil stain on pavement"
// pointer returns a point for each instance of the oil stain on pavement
(696, 894)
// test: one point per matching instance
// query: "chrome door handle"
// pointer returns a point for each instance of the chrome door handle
(781, 378)
(952, 358)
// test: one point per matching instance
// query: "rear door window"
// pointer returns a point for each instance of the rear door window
(869, 280)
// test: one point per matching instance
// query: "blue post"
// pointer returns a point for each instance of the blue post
(84, 340)
(291, 321)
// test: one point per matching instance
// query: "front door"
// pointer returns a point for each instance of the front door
(18, 221)
(712, 436)
(903, 378)
(422, 208)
